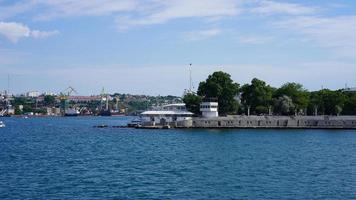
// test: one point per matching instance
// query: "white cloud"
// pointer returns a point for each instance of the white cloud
(337, 33)
(15, 31)
(52, 9)
(201, 34)
(164, 11)
(268, 7)
(68, 8)
(43, 34)
(253, 39)
(16, 8)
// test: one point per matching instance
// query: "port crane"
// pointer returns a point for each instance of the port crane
(63, 96)
(104, 99)
(67, 92)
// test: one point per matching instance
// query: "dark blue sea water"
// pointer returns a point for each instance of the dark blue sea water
(66, 158)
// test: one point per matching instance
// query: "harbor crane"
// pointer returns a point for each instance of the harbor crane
(64, 98)
(67, 92)
(104, 99)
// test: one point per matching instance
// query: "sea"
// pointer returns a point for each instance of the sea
(67, 158)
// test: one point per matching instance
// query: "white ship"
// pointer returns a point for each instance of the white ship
(166, 114)
(71, 112)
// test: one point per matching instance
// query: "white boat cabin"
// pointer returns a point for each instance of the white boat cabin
(166, 114)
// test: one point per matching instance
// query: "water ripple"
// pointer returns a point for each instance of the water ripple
(66, 158)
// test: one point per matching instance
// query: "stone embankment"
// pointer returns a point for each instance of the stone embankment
(277, 122)
(263, 122)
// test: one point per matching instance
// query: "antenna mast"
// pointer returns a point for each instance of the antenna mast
(190, 77)
(8, 84)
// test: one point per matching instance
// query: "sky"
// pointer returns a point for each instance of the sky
(146, 46)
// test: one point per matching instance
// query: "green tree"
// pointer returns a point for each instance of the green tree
(257, 95)
(316, 102)
(284, 105)
(49, 100)
(18, 111)
(350, 104)
(328, 102)
(192, 102)
(219, 85)
(296, 91)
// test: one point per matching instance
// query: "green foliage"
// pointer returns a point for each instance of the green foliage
(296, 91)
(28, 108)
(261, 109)
(18, 111)
(257, 95)
(139, 105)
(350, 104)
(219, 85)
(49, 100)
(284, 105)
(328, 102)
(20, 101)
(192, 102)
(28, 104)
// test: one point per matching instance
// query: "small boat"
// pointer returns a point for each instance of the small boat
(71, 112)
(101, 126)
(134, 123)
(2, 125)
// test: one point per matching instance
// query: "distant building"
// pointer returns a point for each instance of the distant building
(33, 94)
(353, 89)
(53, 111)
(84, 98)
(49, 93)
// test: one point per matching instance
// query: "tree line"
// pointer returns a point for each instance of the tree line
(259, 98)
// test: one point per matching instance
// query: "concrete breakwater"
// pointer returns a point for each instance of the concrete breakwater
(264, 122)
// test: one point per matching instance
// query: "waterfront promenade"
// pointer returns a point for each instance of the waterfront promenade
(263, 122)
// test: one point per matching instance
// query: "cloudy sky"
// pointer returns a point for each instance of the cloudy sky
(145, 46)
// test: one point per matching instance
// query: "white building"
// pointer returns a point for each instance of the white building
(167, 114)
(33, 94)
(352, 89)
(209, 109)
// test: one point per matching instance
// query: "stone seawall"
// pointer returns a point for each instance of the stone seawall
(277, 122)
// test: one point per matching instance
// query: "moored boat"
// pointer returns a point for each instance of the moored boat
(171, 115)
(71, 112)
(134, 123)
(2, 125)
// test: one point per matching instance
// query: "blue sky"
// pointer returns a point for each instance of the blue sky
(145, 46)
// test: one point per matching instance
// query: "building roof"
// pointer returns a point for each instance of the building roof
(166, 112)
(174, 104)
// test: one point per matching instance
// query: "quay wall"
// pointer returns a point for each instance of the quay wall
(277, 122)
(175, 124)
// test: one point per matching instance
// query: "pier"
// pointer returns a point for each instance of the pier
(261, 122)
